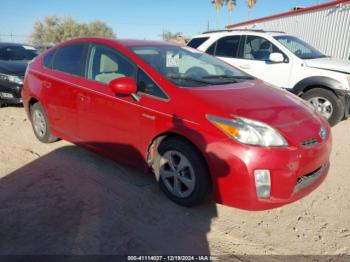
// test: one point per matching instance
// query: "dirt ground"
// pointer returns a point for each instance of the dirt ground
(62, 199)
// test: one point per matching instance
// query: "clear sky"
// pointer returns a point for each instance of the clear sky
(135, 18)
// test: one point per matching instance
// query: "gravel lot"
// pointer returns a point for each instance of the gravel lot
(62, 199)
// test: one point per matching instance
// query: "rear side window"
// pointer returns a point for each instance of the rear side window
(228, 46)
(48, 59)
(196, 42)
(70, 59)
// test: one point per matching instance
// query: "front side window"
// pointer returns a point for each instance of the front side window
(299, 47)
(147, 86)
(106, 64)
(187, 67)
(228, 46)
(258, 48)
(70, 59)
(18, 53)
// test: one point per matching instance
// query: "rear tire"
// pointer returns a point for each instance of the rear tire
(327, 104)
(181, 172)
(40, 124)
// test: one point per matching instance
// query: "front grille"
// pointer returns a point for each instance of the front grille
(308, 179)
(310, 142)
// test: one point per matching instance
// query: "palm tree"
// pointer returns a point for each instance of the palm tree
(251, 4)
(218, 5)
(230, 6)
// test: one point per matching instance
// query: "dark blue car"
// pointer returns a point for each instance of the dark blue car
(14, 59)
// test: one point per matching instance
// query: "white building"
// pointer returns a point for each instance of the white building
(325, 26)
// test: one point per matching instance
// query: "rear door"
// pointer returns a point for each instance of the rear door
(59, 87)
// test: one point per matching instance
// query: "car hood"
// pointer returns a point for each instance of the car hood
(258, 101)
(329, 63)
(255, 100)
(13, 67)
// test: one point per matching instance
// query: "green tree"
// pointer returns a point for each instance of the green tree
(168, 36)
(53, 29)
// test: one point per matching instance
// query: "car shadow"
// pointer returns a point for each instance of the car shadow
(72, 201)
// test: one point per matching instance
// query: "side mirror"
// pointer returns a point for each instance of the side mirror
(276, 58)
(123, 86)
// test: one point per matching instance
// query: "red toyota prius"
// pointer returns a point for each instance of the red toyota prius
(203, 127)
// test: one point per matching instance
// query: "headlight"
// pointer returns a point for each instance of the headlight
(249, 131)
(348, 77)
(10, 78)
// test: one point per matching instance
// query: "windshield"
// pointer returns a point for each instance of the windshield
(188, 67)
(299, 47)
(18, 53)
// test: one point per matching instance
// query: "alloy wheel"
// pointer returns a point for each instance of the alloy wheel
(177, 174)
(39, 123)
(323, 106)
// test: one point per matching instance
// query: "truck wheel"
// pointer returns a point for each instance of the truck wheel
(41, 125)
(326, 103)
(181, 172)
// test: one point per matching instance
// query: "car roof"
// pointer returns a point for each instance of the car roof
(123, 42)
(133, 42)
(221, 33)
(7, 44)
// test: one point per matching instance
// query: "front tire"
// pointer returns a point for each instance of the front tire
(181, 172)
(41, 125)
(326, 103)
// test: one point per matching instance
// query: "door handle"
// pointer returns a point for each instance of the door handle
(245, 66)
(46, 84)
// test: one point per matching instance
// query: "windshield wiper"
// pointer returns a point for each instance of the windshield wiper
(220, 77)
(315, 57)
(233, 79)
(190, 79)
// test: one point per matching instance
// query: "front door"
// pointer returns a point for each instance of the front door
(255, 61)
(107, 122)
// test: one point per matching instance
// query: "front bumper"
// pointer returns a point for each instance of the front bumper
(347, 105)
(345, 97)
(294, 172)
(10, 93)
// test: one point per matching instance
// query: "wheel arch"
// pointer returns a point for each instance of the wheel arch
(317, 82)
(157, 140)
(31, 102)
